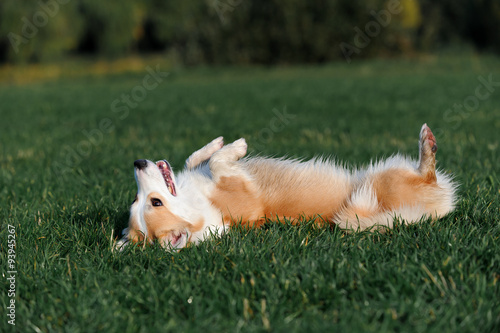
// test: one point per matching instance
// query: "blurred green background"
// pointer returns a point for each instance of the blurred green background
(66, 184)
(244, 31)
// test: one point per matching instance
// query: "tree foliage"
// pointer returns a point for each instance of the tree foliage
(243, 31)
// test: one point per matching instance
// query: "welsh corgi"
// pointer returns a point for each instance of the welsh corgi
(219, 188)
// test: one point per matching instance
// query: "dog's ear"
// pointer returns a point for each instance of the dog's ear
(168, 175)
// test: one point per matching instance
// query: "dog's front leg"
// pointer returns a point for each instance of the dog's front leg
(204, 154)
(223, 163)
(235, 194)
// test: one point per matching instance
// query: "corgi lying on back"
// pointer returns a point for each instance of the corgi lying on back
(219, 188)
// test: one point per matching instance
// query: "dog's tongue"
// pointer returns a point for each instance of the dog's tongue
(166, 171)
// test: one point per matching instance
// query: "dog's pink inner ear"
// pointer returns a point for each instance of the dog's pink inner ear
(171, 185)
(166, 171)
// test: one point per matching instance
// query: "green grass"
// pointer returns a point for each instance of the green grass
(429, 277)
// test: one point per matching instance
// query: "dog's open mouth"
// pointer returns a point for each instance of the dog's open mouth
(167, 173)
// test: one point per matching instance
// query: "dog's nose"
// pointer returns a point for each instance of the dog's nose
(140, 164)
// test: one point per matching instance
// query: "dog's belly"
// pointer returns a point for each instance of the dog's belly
(281, 190)
(307, 204)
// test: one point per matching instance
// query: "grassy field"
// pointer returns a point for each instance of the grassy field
(67, 148)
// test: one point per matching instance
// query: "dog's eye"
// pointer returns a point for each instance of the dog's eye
(135, 199)
(156, 202)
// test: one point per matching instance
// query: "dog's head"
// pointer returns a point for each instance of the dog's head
(157, 213)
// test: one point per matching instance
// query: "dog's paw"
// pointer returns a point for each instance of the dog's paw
(238, 148)
(204, 153)
(428, 143)
(428, 149)
(215, 145)
(229, 153)
(121, 244)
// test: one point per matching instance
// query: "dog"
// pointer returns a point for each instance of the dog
(219, 188)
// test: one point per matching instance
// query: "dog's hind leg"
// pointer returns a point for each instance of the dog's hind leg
(204, 154)
(427, 155)
(390, 191)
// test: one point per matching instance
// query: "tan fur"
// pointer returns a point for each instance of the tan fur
(288, 192)
(428, 149)
(251, 191)
(281, 191)
(135, 235)
(395, 188)
(291, 191)
(160, 220)
(238, 200)
(392, 189)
